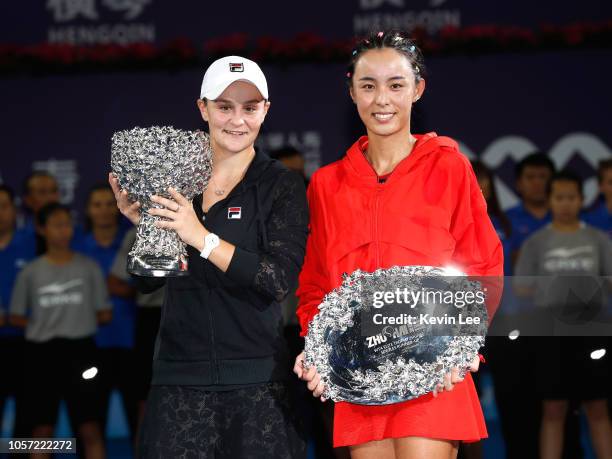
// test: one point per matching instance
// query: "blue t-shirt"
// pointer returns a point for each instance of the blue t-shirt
(599, 217)
(29, 229)
(524, 224)
(13, 257)
(120, 331)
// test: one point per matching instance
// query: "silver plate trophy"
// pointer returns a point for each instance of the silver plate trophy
(148, 161)
(372, 349)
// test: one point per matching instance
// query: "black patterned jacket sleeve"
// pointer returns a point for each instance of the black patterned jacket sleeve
(274, 269)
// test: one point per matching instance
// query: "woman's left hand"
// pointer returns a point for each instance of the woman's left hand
(452, 378)
(180, 217)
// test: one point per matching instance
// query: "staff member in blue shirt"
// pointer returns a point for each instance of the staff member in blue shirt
(532, 174)
(16, 249)
(600, 216)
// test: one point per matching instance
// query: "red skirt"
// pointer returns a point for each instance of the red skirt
(454, 415)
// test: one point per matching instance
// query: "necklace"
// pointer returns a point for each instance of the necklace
(221, 191)
(218, 191)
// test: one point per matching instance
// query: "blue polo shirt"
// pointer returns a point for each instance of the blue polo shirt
(13, 257)
(600, 217)
(524, 224)
(120, 331)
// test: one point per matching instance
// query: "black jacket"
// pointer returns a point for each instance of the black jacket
(220, 329)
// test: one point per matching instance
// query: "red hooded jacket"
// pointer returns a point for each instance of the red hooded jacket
(429, 211)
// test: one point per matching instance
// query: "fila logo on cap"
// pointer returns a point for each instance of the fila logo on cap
(236, 67)
(234, 213)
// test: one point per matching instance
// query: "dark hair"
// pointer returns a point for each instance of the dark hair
(285, 152)
(47, 210)
(399, 41)
(602, 167)
(33, 175)
(565, 176)
(537, 159)
(92, 190)
(9, 191)
(493, 207)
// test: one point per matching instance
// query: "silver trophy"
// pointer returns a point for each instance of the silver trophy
(373, 352)
(148, 161)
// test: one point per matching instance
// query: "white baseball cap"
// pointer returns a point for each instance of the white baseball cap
(226, 70)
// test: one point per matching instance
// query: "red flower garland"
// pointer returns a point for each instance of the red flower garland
(303, 48)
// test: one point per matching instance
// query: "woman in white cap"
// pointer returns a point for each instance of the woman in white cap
(221, 365)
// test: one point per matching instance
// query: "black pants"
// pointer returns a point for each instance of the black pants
(513, 366)
(188, 422)
(147, 325)
(116, 372)
(12, 383)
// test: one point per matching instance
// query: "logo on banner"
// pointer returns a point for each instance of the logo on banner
(237, 67)
(393, 14)
(234, 213)
(91, 22)
(579, 150)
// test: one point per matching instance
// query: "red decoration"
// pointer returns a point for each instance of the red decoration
(303, 48)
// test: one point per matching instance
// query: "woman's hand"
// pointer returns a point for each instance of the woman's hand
(180, 217)
(310, 375)
(452, 378)
(131, 210)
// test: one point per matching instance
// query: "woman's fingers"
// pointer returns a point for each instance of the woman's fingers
(439, 388)
(314, 382)
(455, 377)
(114, 183)
(178, 197)
(162, 213)
(318, 391)
(448, 385)
(167, 203)
(475, 364)
(298, 366)
(309, 374)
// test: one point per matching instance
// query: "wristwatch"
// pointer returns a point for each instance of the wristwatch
(211, 241)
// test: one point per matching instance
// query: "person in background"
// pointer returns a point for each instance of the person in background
(293, 159)
(600, 216)
(511, 362)
(39, 189)
(59, 298)
(559, 260)
(500, 220)
(148, 316)
(115, 341)
(532, 174)
(16, 249)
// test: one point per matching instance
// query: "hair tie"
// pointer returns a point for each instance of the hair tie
(348, 74)
(354, 52)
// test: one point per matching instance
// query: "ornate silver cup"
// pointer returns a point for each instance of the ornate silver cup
(148, 161)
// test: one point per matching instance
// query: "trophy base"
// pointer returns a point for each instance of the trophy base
(152, 266)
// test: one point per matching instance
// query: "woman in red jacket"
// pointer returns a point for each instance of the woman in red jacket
(396, 198)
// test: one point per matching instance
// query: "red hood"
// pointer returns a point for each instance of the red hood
(425, 145)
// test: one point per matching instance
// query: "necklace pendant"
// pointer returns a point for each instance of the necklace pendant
(219, 192)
